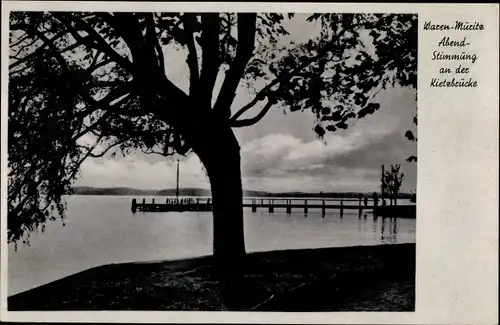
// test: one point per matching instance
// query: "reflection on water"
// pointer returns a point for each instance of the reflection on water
(101, 230)
(388, 230)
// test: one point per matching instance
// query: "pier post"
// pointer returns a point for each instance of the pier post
(134, 206)
(254, 206)
(271, 206)
(360, 211)
(261, 202)
(288, 206)
(341, 208)
(323, 210)
(305, 206)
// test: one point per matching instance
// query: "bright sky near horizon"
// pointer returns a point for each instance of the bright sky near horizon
(282, 152)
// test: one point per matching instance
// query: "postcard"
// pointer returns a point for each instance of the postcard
(249, 162)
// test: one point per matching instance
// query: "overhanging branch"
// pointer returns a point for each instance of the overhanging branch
(161, 153)
(102, 153)
(286, 76)
(153, 41)
(210, 23)
(152, 85)
(251, 121)
(96, 42)
(189, 21)
(40, 49)
(244, 52)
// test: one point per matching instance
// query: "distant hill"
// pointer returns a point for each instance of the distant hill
(184, 192)
(87, 190)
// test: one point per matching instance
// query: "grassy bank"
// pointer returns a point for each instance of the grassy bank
(365, 278)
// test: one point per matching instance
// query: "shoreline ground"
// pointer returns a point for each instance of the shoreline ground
(361, 278)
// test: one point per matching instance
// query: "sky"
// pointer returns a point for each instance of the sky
(282, 152)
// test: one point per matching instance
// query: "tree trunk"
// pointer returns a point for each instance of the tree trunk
(225, 182)
(219, 151)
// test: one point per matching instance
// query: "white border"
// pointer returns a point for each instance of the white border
(457, 228)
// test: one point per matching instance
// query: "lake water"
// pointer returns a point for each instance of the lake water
(102, 229)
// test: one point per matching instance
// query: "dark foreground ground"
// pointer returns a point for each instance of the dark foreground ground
(369, 278)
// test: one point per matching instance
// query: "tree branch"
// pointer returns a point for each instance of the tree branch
(40, 49)
(260, 96)
(52, 48)
(251, 121)
(101, 154)
(210, 57)
(114, 94)
(244, 51)
(189, 21)
(287, 75)
(153, 41)
(152, 85)
(79, 163)
(20, 40)
(95, 58)
(161, 153)
(98, 41)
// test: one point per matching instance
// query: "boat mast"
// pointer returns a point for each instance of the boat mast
(383, 182)
(177, 189)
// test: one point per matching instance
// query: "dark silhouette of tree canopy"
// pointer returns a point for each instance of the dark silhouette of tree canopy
(393, 180)
(104, 74)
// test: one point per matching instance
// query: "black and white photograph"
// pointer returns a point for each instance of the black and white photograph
(212, 161)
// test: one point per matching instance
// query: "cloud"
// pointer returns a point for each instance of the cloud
(348, 160)
(132, 171)
(275, 162)
(284, 157)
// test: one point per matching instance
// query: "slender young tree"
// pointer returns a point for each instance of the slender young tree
(104, 75)
(393, 181)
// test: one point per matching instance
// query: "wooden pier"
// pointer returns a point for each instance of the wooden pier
(286, 204)
(396, 211)
(362, 203)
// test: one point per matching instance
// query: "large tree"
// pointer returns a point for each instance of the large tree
(103, 74)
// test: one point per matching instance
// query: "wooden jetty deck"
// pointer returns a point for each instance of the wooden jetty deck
(408, 211)
(287, 204)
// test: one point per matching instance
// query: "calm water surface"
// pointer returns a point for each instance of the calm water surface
(101, 230)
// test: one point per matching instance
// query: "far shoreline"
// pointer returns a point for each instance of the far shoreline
(202, 192)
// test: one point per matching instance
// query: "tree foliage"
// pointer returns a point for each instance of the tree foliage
(98, 76)
(392, 182)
